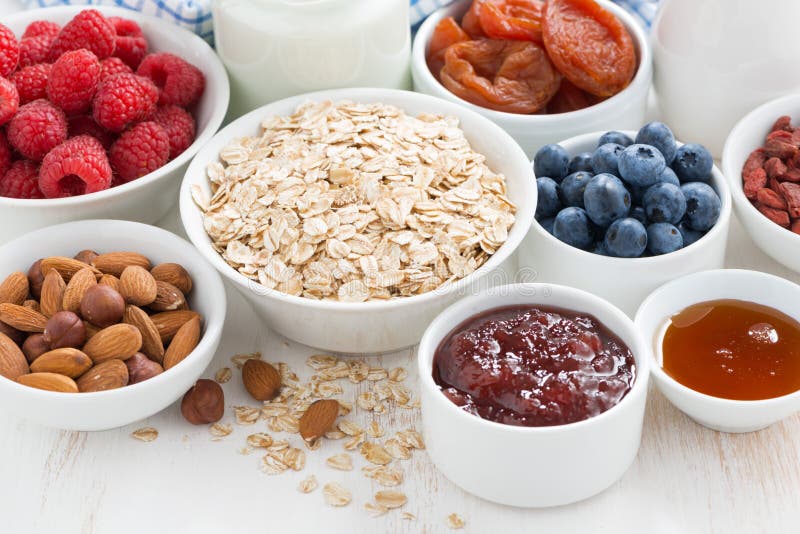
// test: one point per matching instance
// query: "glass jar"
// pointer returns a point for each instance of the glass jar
(273, 49)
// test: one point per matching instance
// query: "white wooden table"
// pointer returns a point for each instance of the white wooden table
(686, 479)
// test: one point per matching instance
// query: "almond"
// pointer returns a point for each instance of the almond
(168, 323)
(22, 318)
(111, 281)
(174, 274)
(64, 361)
(168, 297)
(152, 346)
(49, 382)
(52, 296)
(120, 341)
(91, 330)
(14, 288)
(318, 419)
(32, 304)
(12, 361)
(66, 267)
(261, 380)
(76, 289)
(111, 374)
(116, 262)
(137, 286)
(184, 342)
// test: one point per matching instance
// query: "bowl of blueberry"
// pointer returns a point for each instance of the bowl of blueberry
(620, 213)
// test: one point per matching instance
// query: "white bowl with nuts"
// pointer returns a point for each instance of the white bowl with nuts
(99, 329)
(350, 218)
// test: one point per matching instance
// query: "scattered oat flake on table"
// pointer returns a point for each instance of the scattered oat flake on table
(246, 415)
(398, 374)
(342, 462)
(350, 428)
(239, 359)
(391, 498)
(411, 438)
(336, 495)
(375, 453)
(354, 442)
(308, 484)
(146, 434)
(272, 463)
(375, 430)
(385, 475)
(408, 516)
(260, 440)
(375, 509)
(455, 522)
(321, 361)
(396, 449)
(223, 375)
(220, 430)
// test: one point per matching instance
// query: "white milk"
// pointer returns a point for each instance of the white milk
(278, 48)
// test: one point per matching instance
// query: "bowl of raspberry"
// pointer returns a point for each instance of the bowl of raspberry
(100, 112)
(761, 159)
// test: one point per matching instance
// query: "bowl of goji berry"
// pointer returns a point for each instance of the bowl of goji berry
(100, 112)
(543, 71)
(761, 159)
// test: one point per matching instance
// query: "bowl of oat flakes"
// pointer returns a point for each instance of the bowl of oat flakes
(350, 218)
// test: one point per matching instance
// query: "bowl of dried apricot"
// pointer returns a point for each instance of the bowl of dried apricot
(543, 71)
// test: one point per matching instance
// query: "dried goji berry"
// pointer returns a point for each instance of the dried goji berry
(791, 192)
(779, 147)
(518, 20)
(774, 167)
(779, 217)
(447, 32)
(768, 197)
(471, 22)
(589, 45)
(791, 175)
(796, 226)
(783, 123)
(754, 161)
(511, 76)
(754, 181)
(568, 98)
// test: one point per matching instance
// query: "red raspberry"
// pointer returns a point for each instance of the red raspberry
(39, 28)
(31, 82)
(36, 128)
(21, 180)
(9, 51)
(6, 156)
(77, 166)
(139, 151)
(85, 125)
(88, 29)
(131, 43)
(112, 66)
(34, 50)
(180, 128)
(73, 81)
(180, 83)
(122, 100)
(9, 100)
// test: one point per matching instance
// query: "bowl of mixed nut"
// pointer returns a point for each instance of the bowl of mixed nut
(99, 329)
(350, 218)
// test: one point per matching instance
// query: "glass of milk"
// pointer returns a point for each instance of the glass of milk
(279, 48)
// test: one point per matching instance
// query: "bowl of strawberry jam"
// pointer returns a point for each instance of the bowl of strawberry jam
(518, 381)
(725, 347)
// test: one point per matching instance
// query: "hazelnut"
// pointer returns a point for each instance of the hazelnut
(86, 256)
(35, 346)
(36, 279)
(141, 368)
(64, 329)
(102, 305)
(15, 335)
(204, 403)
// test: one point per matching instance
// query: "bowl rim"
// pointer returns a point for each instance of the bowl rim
(428, 345)
(723, 190)
(198, 236)
(419, 67)
(734, 176)
(212, 283)
(652, 338)
(215, 71)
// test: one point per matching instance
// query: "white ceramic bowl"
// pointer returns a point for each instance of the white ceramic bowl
(623, 281)
(532, 466)
(377, 326)
(749, 134)
(624, 110)
(653, 317)
(150, 197)
(118, 407)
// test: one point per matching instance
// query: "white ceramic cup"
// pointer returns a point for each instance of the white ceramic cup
(653, 317)
(532, 466)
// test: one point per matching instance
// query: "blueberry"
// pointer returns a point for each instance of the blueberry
(606, 199)
(689, 235)
(573, 228)
(638, 213)
(581, 162)
(669, 176)
(547, 224)
(615, 137)
(552, 161)
(600, 248)
(702, 206)
(626, 238)
(606, 157)
(659, 135)
(664, 202)
(663, 238)
(572, 188)
(693, 163)
(548, 203)
(641, 165)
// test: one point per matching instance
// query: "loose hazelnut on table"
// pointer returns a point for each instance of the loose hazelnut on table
(204, 403)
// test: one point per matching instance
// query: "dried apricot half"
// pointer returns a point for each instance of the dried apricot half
(511, 76)
(569, 98)
(447, 32)
(518, 20)
(589, 46)
(471, 21)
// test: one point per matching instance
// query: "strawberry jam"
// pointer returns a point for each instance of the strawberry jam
(533, 366)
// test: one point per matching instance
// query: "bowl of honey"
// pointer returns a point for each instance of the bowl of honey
(725, 347)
